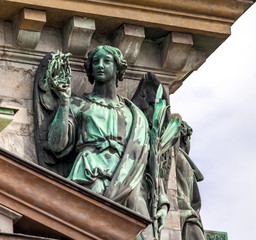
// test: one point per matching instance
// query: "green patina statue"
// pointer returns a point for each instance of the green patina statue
(103, 141)
(187, 174)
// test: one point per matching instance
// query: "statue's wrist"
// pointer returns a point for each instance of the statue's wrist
(64, 102)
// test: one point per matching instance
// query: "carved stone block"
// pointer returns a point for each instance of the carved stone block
(32, 20)
(77, 34)
(175, 51)
(27, 27)
(128, 38)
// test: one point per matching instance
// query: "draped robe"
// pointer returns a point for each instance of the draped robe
(112, 145)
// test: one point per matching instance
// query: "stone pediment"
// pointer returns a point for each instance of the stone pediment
(63, 206)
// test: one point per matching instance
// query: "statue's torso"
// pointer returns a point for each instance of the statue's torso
(102, 133)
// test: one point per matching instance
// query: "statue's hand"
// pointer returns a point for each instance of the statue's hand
(161, 216)
(62, 90)
(58, 76)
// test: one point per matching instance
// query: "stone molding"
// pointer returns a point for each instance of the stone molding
(77, 64)
(47, 198)
(203, 24)
(195, 16)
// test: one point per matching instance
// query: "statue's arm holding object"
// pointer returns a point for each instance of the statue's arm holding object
(58, 80)
(151, 98)
(58, 129)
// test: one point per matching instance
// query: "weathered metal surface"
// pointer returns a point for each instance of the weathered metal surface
(214, 235)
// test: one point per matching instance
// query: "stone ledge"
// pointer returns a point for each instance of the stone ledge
(195, 16)
(77, 64)
(22, 183)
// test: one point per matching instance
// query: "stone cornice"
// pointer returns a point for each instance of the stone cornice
(8, 53)
(176, 36)
(49, 199)
(206, 17)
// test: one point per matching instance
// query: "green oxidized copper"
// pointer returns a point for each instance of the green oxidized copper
(160, 141)
(115, 150)
(189, 201)
(214, 235)
(58, 73)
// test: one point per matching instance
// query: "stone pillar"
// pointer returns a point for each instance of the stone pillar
(172, 230)
(7, 219)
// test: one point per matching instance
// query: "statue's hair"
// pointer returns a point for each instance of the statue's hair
(121, 63)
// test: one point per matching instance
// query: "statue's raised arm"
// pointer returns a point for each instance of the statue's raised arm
(58, 80)
(52, 92)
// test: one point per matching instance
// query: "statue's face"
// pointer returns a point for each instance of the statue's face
(104, 67)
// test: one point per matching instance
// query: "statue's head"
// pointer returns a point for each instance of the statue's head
(121, 63)
(185, 133)
(185, 136)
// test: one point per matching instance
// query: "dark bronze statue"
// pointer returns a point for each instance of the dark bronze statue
(104, 141)
(189, 201)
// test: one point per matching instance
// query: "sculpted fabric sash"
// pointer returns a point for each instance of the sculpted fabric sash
(134, 160)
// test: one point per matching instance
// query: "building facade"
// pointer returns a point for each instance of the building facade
(170, 38)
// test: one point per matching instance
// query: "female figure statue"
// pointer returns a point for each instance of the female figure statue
(189, 200)
(110, 135)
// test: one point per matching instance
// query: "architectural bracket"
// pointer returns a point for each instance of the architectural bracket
(175, 51)
(128, 38)
(27, 27)
(77, 34)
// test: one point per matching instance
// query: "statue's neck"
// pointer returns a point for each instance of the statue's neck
(106, 90)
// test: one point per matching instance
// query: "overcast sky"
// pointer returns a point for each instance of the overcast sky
(218, 101)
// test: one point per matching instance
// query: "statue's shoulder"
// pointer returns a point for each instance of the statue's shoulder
(77, 101)
(78, 104)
